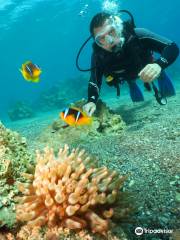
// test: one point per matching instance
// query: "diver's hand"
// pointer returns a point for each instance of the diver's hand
(89, 108)
(150, 72)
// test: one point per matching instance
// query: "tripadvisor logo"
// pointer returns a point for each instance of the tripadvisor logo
(139, 231)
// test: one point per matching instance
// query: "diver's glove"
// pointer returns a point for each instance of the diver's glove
(150, 72)
(89, 108)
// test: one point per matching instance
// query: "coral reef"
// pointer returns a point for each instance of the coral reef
(51, 99)
(105, 123)
(110, 123)
(62, 94)
(19, 111)
(69, 191)
(14, 159)
(13, 151)
(60, 233)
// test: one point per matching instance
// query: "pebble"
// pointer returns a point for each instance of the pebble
(177, 197)
(172, 182)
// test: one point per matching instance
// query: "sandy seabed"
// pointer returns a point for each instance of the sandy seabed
(148, 150)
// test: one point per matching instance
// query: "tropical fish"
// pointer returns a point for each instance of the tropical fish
(30, 71)
(75, 117)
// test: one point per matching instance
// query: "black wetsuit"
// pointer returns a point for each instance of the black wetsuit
(135, 54)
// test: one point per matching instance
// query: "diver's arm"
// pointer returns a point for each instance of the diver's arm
(168, 49)
(95, 81)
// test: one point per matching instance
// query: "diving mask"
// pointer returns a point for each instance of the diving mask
(110, 33)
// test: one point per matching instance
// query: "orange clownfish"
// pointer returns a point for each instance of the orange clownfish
(75, 117)
(30, 71)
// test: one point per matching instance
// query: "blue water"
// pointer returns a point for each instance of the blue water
(50, 32)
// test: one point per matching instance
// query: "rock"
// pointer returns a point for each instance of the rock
(132, 182)
(19, 111)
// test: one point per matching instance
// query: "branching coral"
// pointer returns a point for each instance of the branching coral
(68, 191)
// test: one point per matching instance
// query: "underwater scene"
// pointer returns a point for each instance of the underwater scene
(89, 120)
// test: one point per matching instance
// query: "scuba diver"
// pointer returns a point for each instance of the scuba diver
(123, 52)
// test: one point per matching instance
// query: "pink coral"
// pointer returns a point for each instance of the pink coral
(67, 192)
